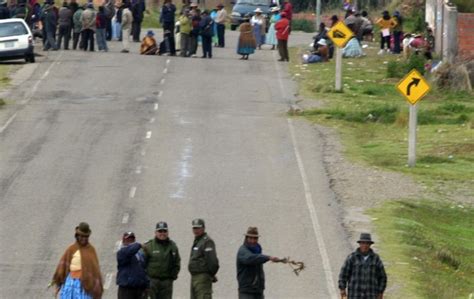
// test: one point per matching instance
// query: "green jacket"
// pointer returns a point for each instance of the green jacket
(203, 257)
(162, 259)
(184, 24)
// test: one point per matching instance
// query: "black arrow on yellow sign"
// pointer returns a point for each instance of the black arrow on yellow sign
(338, 34)
(414, 81)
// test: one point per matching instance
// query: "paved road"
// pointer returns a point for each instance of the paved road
(122, 141)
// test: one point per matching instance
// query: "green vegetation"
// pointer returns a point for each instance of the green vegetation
(302, 25)
(464, 5)
(151, 18)
(428, 247)
(2, 102)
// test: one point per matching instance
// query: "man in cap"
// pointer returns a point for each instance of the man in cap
(363, 273)
(163, 263)
(221, 19)
(203, 263)
(250, 262)
(132, 279)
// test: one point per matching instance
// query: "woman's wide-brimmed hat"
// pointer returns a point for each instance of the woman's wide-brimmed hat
(274, 9)
(252, 232)
(258, 10)
(83, 229)
(194, 4)
(322, 42)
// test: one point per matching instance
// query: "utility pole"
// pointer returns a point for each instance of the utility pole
(318, 14)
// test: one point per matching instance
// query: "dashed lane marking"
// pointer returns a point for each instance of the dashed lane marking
(132, 192)
(152, 120)
(7, 123)
(148, 135)
(160, 94)
(125, 218)
(165, 71)
(138, 170)
(108, 280)
(162, 81)
(155, 107)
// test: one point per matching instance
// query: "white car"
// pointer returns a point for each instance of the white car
(16, 40)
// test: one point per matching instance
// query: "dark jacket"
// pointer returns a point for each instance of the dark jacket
(167, 14)
(48, 17)
(4, 12)
(363, 278)
(206, 25)
(203, 257)
(131, 267)
(138, 8)
(162, 259)
(101, 20)
(250, 273)
(65, 17)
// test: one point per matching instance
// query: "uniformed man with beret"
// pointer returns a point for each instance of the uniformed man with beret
(203, 262)
(163, 263)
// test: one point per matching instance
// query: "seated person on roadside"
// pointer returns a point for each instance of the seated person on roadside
(319, 55)
(149, 45)
(367, 28)
(352, 49)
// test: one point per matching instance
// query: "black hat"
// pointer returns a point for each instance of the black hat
(127, 235)
(198, 223)
(365, 237)
(83, 229)
(161, 226)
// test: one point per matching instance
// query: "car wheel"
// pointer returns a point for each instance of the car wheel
(233, 27)
(30, 58)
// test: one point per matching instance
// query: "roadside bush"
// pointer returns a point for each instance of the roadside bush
(415, 62)
(2, 102)
(464, 6)
(302, 25)
(398, 69)
(394, 69)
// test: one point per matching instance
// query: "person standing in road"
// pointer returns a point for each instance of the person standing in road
(250, 262)
(271, 35)
(78, 273)
(246, 44)
(163, 263)
(206, 24)
(126, 22)
(76, 36)
(185, 30)
(132, 279)
(203, 263)
(287, 8)
(259, 22)
(221, 19)
(49, 20)
(167, 20)
(101, 30)
(65, 23)
(363, 273)
(88, 20)
(138, 8)
(109, 6)
(282, 28)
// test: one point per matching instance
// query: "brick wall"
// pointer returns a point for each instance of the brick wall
(466, 35)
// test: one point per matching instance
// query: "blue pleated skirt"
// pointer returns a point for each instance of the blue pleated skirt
(72, 289)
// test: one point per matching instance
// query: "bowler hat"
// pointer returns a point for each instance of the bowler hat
(128, 235)
(198, 223)
(83, 229)
(252, 231)
(150, 33)
(162, 226)
(365, 237)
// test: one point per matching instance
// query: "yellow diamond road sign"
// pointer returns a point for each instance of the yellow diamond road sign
(340, 34)
(413, 86)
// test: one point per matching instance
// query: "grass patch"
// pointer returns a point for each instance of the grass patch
(2, 102)
(151, 19)
(372, 118)
(428, 247)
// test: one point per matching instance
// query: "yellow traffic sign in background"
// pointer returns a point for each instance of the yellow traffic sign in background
(340, 34)
(413, 86)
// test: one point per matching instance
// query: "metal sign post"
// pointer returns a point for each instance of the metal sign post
(412, 124)
(413, 87)
(338, 69)
(340, 34)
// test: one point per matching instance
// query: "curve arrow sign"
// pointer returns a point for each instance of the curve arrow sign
(415, 81)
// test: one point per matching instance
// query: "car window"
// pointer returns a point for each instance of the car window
(254, 2)
(12, 29)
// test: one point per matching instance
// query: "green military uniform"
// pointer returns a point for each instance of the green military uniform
(203, 266)
(163, 265)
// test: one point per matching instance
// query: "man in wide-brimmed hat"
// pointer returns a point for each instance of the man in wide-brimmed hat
(250, 262)
(221, 19)
(363, 273)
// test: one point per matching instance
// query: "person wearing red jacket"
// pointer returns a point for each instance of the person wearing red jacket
(282, 28)
(287, 8)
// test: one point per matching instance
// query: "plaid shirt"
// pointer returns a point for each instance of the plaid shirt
(363, 278)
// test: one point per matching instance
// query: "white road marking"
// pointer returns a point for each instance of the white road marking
(143, 153)
(108, 280)
(184, 169)
(168, 61)
(132, 192)
(152, 120)
(7, 123)
(160, 94)
(314, 217)
(165, 71)
(125, 218)
(155, 107)
(148, 135)
(162, 81)
(138, 170)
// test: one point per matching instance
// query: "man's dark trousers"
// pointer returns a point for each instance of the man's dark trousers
(64, 32)
(206, 46)
(131, 293)
(136, 29)
(251, 296)
(88, 39)
(220, 35)
(170, 27)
